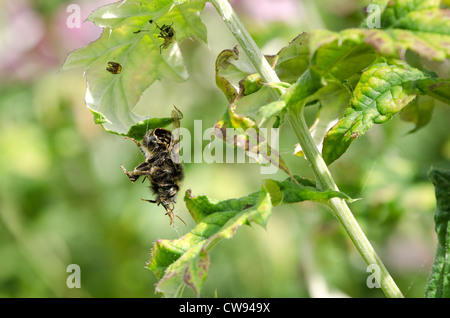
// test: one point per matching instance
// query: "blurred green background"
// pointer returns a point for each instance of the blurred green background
(64, 199)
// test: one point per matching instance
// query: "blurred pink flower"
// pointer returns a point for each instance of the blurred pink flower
(22, 30)
(271, 10)
(30, 45)
(76, 37)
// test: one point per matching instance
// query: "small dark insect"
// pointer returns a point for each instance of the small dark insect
(161, 166)
(114, 68)
(166, 32)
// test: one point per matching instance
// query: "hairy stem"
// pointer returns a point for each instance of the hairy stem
(339, 207)
(325, 180)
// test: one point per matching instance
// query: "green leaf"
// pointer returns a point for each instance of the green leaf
(307, 85)
(196, 271)
(227, 73)
(190, 250)
(185, 260)
(338, 59)
(138, 130)
(435, 87)
(339, 56)
(246, 134)
(242, 86)
(383, 90)
(271, 110)
(439, 281)
(231, 70)
(293, 60)
(118, 13)
(201, 206)
(329, 53)
(420, 26)
(333, 99)
(112, 97)
(394, 13)
(418, 112)
(236, 77)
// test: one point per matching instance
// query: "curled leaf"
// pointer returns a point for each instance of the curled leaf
(186, 261)
(243, 132)
(236, 77)
(418, 112)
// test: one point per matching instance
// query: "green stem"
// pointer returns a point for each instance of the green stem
(325, 180)
(339, 207)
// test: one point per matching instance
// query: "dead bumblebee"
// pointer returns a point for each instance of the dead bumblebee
(166, 32)
(114, 68)
(161, 166)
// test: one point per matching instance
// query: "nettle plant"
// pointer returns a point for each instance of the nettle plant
(360, 74)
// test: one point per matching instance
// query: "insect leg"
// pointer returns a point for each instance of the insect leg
(143, 166)
(168, 212)
(151, 201)
(135, 141)
(151, 21)
(134, 175)
(139, 31)
(181, 219)
(137, 144)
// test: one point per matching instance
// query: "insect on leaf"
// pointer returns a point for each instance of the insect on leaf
(112, 97)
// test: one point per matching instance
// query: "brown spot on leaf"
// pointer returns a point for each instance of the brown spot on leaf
(437, 85)
(189, 193)
(375, 40)
(203, 263)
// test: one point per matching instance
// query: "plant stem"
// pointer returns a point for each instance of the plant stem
(339, 207)
(325, 180)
